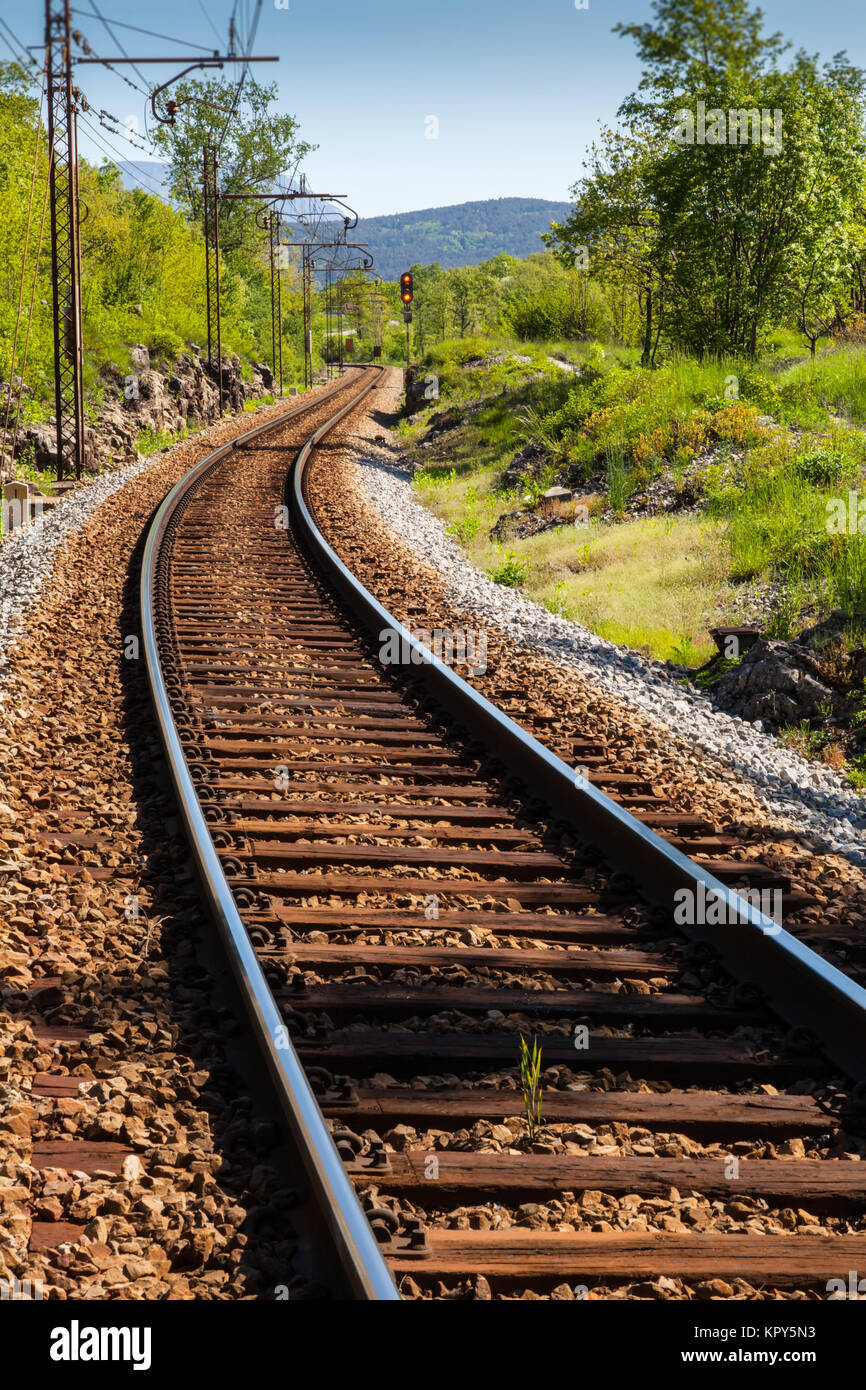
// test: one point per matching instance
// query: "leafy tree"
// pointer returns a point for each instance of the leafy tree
(259, 145)
(615, 223)
(722, 238)
(698, 45)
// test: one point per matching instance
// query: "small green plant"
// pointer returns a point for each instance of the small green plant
(165, 344)
(705, 680)
(466, 529)
(27, 472)
(511, 571)
(685, 652)
(149, 441)
(784, 622)
(857, 772)
(530, 1083)
(558, 604)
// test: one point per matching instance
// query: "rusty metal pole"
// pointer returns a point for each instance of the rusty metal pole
(207, 271)
(212, 268)
(280, 301)
(308, 318)
(216, 257)
(328, 317)
(273, 304)
(65, 240)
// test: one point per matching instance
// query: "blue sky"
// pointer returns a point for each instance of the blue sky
(518, 87)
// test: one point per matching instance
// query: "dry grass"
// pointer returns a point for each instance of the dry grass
(653, 585)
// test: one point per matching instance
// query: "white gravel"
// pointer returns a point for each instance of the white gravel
(813, 801)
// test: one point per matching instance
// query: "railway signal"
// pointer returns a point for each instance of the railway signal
(406, 296)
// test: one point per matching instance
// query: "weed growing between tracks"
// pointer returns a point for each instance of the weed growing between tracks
(530, 1083)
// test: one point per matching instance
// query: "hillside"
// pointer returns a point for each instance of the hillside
(462, 234)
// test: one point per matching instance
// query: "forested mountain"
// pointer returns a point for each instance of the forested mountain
(462, 234)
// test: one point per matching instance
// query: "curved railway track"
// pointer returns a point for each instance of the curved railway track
(405, 882)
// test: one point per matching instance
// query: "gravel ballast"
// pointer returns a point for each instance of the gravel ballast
(27, 558)
(811, 798)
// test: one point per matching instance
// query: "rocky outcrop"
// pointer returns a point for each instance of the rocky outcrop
(778, 683)
(530, 462)
(811, 680)
(416, 400)
(147, 399)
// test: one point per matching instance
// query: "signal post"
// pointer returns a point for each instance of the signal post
(406, 296)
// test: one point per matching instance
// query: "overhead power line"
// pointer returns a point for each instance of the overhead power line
(21, 49)
(111, 150)
(120, 24)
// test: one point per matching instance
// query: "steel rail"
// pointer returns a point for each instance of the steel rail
(355, 1243)
(805, 990)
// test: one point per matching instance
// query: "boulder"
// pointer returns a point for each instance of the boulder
(42, 441)
(778, 683)
(445, 419)
(166, 403)
(532, 460)
(415, 388)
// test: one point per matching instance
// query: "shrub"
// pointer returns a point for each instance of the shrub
(738, 423)
(822, 466)
(511, 571)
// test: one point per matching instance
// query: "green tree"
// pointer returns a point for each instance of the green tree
(259, 145)
(723, 233)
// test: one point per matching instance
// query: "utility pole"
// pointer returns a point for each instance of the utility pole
(274, 219)
(273, 222)
(65, 244)
(64, 99)
(306, 275)
(212, 267)
(329, 321)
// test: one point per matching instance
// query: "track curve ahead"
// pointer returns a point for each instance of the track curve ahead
(406, 881)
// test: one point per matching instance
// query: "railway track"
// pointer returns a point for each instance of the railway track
(406, 882)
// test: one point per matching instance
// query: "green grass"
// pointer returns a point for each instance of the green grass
(837, 381)
(647, 584)
(857, 772)
(658, 585)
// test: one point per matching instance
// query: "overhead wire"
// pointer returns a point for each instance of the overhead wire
(14, 37)
(151, 33)
(11, 49)
(111, 150)
(244, 70)
(106, 25)
(210, 21)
